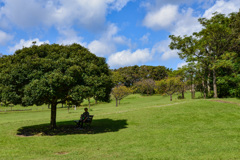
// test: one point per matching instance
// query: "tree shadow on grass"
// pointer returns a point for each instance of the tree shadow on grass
(69, 127)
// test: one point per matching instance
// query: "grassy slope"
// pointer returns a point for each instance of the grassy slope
(141, 128)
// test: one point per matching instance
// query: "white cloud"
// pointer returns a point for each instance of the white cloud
(161, 18)
(86, 13)
(28, 43)
(22, 14)
(126, 58)
(101, 48)
(106, 45)
(145, 38)
(163, 49)
(224, 7)
(180, 65)
(4, 37)
(186, 24)
(169, 54)
(69, 36)
(118, 4)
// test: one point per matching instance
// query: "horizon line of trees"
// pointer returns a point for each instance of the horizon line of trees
(213, 57)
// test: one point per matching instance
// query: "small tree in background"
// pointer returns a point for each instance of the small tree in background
(119, 92)
(169, 86)
(145, 86)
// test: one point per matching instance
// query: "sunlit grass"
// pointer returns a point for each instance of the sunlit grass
(142, 127)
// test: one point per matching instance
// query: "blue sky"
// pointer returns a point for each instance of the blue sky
(125, 32)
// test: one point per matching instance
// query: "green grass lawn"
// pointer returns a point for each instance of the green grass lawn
(140, 128)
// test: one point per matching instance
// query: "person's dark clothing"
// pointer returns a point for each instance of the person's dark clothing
(84, 118)
(84, 115)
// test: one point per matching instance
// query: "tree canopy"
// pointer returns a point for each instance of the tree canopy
(213, 51)
(132, 74)
(53, 74)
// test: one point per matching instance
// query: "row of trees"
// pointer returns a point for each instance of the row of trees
(213, 63)
(167, 86)
(213, 55)
(132, 74)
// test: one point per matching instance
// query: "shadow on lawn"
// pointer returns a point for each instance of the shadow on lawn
(69, 127)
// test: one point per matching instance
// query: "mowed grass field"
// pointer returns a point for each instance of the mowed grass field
(141, 127)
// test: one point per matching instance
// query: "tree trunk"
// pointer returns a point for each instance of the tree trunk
(214, 84)
(193, 91)
(119, 101)
(95, 101)
(48, 106)
(53, 115)
(208, 84)
(193, 88)
(204, 89)
(89, 105)
(62, 105)
(116, 102)
(170, 97)
(183, 95)
(183, 89)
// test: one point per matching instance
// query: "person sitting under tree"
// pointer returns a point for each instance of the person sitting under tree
(84, 117)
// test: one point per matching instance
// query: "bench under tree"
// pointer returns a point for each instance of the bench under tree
(87, 123)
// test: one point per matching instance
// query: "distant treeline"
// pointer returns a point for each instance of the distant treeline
(132, 74)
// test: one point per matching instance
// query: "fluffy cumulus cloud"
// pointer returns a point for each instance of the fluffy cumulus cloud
(163, 49)
(90, 14)
(186, 24)
(224, 7)
(127, 58)
(106, 45)
(69, 36)
(184, 21)
(66, 16)
(24, 43)
(161, 18)
(117, 4)
(4, 37)
(180, 65)
(170, 18)
(101, 48)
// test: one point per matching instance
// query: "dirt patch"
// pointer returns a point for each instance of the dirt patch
(222, 101)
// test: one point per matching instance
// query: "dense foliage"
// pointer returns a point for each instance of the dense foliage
(213, 55)
(53, 74)
(169, 86)
(145, 86)
(132, 74)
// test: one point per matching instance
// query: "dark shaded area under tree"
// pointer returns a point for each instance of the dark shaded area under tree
(69, 128)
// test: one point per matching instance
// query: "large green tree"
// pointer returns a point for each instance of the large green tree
(209, 49)
(53, 74)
